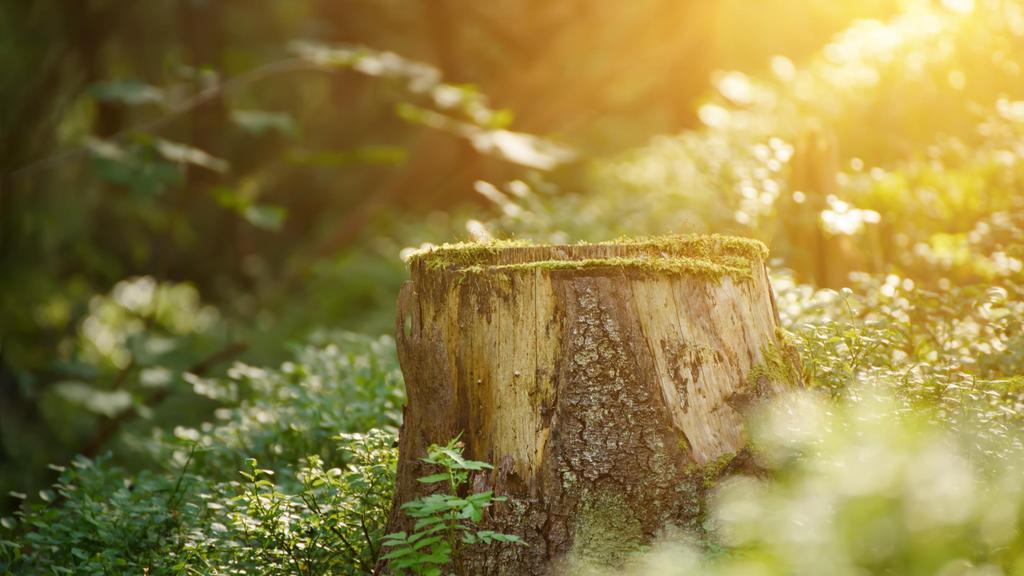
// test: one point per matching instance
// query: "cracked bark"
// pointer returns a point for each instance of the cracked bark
(602, 394)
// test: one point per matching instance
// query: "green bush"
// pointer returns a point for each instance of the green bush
(323, 426)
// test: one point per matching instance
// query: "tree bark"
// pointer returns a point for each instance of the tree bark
(606, 383)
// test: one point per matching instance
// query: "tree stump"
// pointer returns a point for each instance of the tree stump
(605, 382)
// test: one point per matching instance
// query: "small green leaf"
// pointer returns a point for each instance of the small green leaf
(130, 92)
(184, 154)
(397, 553)
(396, 537)
(434, 478)
(427, 542)
(265, 216)
(474, 465)
(258, 122)
(429, 521)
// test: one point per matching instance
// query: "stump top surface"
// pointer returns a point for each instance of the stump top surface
(707, 255)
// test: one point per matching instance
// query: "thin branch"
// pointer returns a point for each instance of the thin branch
(270, 70)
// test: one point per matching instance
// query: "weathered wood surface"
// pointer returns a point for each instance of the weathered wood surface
(598, 379)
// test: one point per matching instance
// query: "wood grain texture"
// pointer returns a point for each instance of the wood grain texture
(598, 379)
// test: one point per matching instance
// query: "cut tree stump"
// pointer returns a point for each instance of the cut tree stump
(606, 383)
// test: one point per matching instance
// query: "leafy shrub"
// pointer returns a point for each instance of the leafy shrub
(859, 486)
(321, 506)
(96, 520)
(951, 356)
(123, 360)
(331, 523)
(344, 383)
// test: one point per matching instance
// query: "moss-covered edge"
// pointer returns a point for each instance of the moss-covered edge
(780, 364)
(711, 255)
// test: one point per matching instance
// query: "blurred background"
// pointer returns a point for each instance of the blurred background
(188, 184)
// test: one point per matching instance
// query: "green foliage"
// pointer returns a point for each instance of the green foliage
(166, 210)
(319, 504)
(331, 523)
(444, 521)
(952, 357)
(97, 520)
(124, 358)
(857, 486)
(346, 384)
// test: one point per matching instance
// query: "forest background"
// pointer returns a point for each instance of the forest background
(204, 208)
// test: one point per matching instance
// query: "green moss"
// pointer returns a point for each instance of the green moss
(675, 265)
(606, 532)
(708, 474)
(702, 255)
(712, 472)
(699, 245)
(463, 254)
(692, 492)
(780, 364)
(684, 445)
